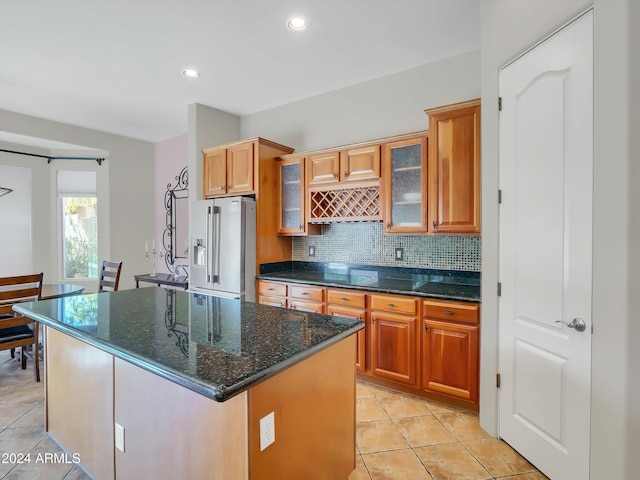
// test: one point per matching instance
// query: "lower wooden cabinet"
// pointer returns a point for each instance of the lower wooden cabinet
(393, 347)
(432, 351)
(450, 349)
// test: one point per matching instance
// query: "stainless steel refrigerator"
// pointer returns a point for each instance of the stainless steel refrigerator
(223, 248)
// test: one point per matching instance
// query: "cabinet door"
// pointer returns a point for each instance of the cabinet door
(393, 347)
(354, 314)
(323, 168)
(240, 169)
(360, 164)
(450, 359)
(291, 197)
(454, 171)
(215, 172)
(405, 186)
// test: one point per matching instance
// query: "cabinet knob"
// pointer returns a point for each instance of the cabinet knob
(335, 174)
(301, 227)
(221, 187)
(433, 222)
(229, 187)
(282, 304)
(346, 174)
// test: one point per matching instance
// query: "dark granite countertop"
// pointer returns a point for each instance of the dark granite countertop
(444, 284)
(214, 346)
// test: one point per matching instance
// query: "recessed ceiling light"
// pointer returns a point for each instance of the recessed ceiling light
(191, 73)
(297, 24)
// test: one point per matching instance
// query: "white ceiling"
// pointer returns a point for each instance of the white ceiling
(116, 65)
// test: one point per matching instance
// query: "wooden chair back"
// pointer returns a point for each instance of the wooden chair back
(109, 276)
(14, 328)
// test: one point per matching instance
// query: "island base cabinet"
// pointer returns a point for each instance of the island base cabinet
(314, 410)
(172, 432)
(79, 401)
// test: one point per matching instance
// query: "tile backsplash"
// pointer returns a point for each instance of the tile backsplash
(365, 243)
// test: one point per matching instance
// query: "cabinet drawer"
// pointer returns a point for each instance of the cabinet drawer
(452, 311)
(272, 289)
(347, 299)
(311, 294)
(273, 301)
(389, 303)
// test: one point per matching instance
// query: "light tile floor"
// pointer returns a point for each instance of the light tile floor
(402, 437)
(398, 437)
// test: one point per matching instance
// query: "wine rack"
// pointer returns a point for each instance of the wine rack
(345, 205)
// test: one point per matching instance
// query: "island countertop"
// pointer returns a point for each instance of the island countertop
(214, 346)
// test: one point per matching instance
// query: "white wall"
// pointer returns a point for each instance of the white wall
(378, 108)
(129, 212)
(15, 210)
(507, 29)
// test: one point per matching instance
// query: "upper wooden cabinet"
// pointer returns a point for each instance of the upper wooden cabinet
(247, 167)
(351, 165)
(454, 168)
(292, 199)
(229, 171)
(359, 164)
(405, 185)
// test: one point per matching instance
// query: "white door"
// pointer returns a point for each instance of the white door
(546, 165)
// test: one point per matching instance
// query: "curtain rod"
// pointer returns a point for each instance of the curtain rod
(50, 158)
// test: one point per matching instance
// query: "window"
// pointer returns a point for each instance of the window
(79, 205)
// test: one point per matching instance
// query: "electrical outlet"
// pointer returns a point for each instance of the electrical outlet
(399, 253)
(312, 251)
(119, 432)
(267, 430)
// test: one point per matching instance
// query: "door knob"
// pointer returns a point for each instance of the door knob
(577, 324)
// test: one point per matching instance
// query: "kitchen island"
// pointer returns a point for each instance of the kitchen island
(155, 383)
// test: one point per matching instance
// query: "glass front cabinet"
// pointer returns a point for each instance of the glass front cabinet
(291, 198)
(405, 185)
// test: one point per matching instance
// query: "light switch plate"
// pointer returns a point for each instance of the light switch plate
(399, 253)
(312, 251)
(267, 430)
(119, 433)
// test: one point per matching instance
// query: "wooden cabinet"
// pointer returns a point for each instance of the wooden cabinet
(450, 349)
(349, 304)
(229, 171)
(394, 338)
(454, 168)
(432, 351)
(294, 296)
(306, 298)
(247, 167)
(350, 165)
(405, 186)
(272, 293)
(292, 198)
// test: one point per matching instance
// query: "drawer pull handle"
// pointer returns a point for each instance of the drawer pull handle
(271, 289)
(304, 293)
(344, 298)
(426, 329)
(282, 305)
(221, 187)
(373, 319)
(448, 312)
(392, 305)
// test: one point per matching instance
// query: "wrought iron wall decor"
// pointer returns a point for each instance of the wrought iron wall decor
(175, 235)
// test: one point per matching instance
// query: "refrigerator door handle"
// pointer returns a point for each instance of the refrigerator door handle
(216, 248)
(207, 271)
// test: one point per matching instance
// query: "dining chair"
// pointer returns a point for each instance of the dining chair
(17, 330)
(109, 276)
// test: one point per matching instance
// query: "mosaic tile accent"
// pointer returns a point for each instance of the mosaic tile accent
(365, 243)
